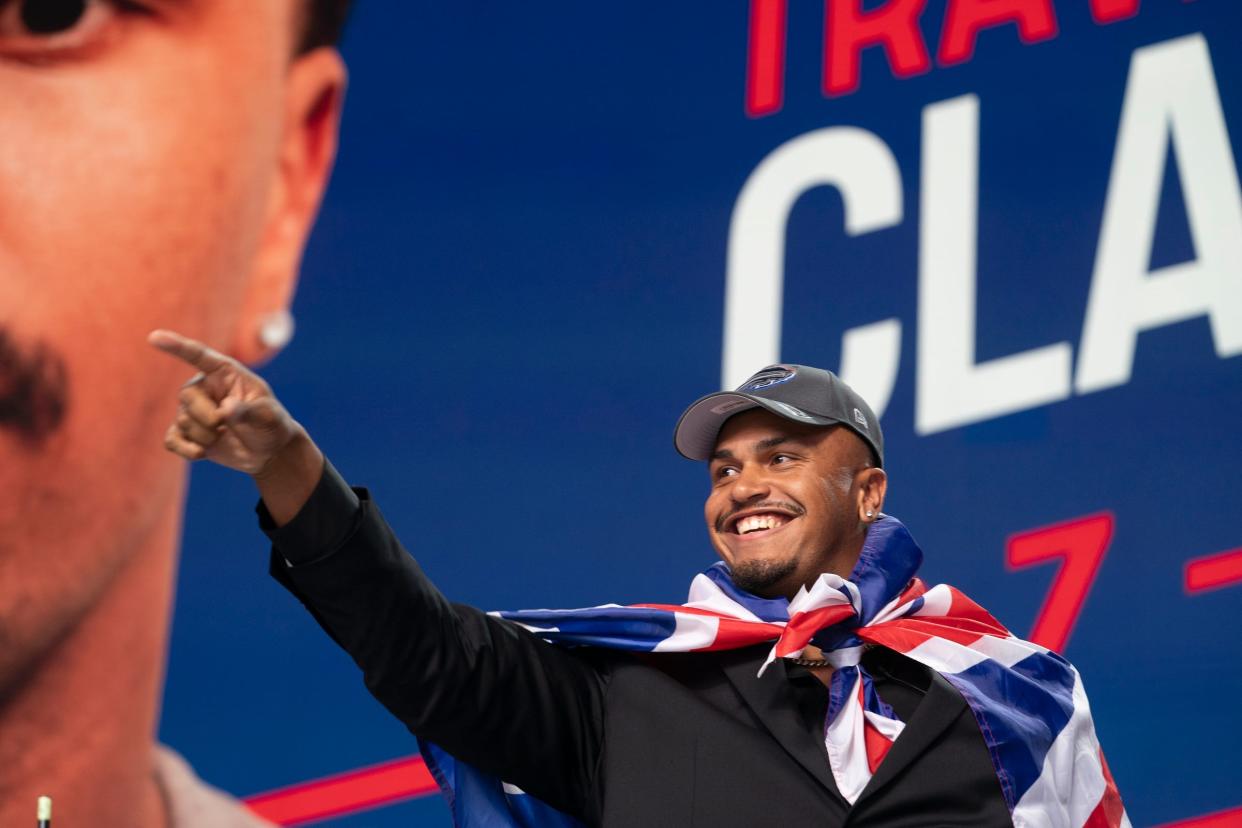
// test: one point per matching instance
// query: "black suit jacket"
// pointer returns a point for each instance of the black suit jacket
(611, 738)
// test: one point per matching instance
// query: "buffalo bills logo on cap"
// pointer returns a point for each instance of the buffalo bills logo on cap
(772, 375)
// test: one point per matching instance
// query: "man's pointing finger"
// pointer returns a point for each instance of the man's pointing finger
(189, 350)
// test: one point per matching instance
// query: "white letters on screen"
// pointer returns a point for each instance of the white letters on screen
(952, 389)
(862, 168)
(870, 357)
(1171, 91)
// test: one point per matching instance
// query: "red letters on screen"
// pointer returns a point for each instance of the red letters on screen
(765, 58)
(964, 19)
(1110, 11)
(848, 30)
(896, 27)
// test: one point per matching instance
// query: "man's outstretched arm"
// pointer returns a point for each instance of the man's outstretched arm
(482, 688)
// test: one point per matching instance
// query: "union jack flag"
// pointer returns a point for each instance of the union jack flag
(1029, 701)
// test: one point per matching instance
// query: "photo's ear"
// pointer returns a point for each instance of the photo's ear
(314, 94)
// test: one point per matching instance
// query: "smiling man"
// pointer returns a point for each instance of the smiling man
(791, 496)
(809, 679)
(161, 162)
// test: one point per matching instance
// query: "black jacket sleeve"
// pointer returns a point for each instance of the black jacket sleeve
(482, 688)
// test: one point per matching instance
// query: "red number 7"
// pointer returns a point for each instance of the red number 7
(1080, 544)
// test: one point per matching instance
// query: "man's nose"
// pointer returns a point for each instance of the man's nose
(751, 484)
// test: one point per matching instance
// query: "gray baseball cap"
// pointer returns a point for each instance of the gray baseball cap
(796, 392)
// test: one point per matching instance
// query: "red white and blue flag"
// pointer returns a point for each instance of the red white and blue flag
(1029, 701)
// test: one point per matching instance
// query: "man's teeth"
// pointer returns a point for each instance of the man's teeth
(757, 523)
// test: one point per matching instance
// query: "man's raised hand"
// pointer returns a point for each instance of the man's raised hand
(230, 416)
(227, 414)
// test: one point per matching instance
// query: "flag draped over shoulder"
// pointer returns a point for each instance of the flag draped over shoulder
(1029, 701)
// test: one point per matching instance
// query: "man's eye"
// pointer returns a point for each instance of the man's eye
(725, 471)
(781, 458)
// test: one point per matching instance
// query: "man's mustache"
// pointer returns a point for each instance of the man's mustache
(34, 390)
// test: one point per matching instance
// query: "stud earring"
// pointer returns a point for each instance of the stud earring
(870, 514)
(276, 329)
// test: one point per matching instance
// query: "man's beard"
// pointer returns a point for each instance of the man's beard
(760, 577)
(33, 390)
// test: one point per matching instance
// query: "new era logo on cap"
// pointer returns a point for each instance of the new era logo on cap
(860, 419)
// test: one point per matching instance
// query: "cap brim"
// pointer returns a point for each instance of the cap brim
(700, 424)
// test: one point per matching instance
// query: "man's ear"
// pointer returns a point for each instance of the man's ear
(872, 486)
(314, 94)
